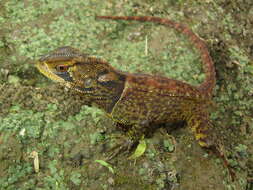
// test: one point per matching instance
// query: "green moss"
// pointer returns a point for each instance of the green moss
(16, 173)
(19, 123)
(168, 146)
(56, 178)
(75, 178)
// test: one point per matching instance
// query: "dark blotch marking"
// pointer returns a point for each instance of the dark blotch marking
(84, 89)
(105, 71)
(65, 76)
(112, 83)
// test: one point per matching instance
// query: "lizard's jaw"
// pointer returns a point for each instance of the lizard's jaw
(45, 70)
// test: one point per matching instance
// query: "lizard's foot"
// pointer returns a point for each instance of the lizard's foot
(130, 141)
(124, 146)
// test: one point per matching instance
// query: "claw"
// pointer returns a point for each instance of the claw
(125, 146)
(134, 135)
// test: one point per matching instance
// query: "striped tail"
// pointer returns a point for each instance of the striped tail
(209, 83)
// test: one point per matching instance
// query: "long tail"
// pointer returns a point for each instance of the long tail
(208, 85)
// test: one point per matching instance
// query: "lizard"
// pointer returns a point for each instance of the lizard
(140, 101)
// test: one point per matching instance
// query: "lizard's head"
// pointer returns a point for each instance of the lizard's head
(93, 77)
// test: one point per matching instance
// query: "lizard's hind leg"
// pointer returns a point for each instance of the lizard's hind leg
(205, 134)
(201, 127)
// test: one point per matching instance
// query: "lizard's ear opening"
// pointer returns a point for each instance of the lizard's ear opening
(107, 77)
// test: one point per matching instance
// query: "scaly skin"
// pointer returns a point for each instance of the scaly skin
(138, 100)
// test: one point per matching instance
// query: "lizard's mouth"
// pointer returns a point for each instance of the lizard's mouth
(45, 70)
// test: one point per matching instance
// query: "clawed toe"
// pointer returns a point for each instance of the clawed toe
(125, 147)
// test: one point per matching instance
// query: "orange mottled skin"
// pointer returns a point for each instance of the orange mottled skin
(148, 99)
(141, 101)
(137, 100)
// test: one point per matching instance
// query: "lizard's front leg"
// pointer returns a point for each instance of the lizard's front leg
(130, 140)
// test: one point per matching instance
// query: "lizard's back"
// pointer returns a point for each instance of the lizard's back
(156, 99)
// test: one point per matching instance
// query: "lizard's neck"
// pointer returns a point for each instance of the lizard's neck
(109, 98)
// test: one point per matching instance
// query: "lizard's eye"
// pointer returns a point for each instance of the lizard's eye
(61, 68)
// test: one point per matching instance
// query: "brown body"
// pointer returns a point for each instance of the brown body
(149, 100)
(137, 100)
